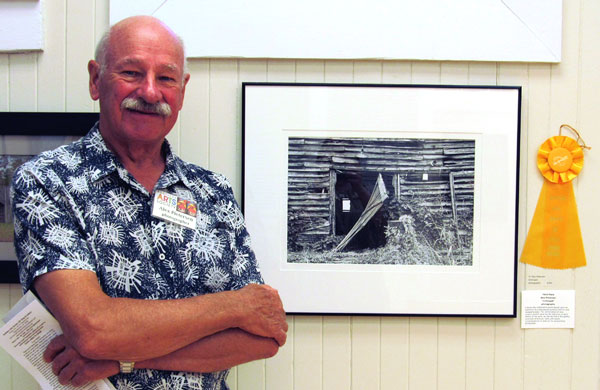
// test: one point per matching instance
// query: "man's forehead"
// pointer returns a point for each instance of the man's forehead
(150, 38)
(134, 61)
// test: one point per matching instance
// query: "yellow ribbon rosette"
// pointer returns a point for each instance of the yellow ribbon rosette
(554, 237)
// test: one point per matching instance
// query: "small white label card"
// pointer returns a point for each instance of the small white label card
(548, 309)
(171, 208)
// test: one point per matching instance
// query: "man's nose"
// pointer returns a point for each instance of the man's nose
(149, 91)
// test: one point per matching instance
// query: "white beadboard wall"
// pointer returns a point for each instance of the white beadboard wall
(370, 353)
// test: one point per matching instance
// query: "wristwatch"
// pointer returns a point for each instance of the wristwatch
(126, 367)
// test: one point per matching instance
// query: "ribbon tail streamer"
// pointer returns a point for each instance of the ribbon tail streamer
(554, 237)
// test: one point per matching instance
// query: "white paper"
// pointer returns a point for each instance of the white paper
(548, 309)
(461, 30)
(28, 330)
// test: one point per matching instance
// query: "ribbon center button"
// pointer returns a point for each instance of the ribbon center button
(560, 160)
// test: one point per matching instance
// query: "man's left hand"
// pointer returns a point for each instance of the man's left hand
(72, 368)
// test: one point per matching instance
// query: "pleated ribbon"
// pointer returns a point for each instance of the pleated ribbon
(554, 237)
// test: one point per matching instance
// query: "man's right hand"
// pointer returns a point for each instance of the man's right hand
(264, 314)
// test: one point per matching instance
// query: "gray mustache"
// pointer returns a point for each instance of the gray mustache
(139, 104)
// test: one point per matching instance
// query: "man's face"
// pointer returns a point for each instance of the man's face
(144, 64)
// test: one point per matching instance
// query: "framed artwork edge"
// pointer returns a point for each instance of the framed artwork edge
(31, 129)
(299, 108)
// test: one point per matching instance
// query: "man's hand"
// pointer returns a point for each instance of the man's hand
(72, 368)
(264, 312)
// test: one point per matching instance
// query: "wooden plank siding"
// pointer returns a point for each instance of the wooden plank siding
(404, 163)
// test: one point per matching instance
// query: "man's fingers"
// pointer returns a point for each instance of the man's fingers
(66, 374)
(81, 377)
(60, 361)
(94, 370)
(54, 347)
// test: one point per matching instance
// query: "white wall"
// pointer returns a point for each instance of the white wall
(364, 353)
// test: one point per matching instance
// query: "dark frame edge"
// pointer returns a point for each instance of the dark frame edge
(518, 88)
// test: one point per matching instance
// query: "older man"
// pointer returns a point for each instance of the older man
(144, 294)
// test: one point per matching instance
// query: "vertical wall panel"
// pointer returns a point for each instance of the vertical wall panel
(251, 376)
(426, 72)
(367, 72)
(252, 70)
(101, 24)
(51, 62)
(310, 71)
(396, 72)
(174, 136)
(366, 353)
(337, 353)
(225, 138)
(480, 353)
(455, 73)
(338, 71)
(22, 70)
(394, 353)
(193, 138)
(308, 352)
(80, 24)
(4, 82)
(281, 70)
(482, 73)
(423, 353)
(452, 354)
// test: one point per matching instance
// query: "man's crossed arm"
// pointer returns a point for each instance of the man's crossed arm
(201, 334)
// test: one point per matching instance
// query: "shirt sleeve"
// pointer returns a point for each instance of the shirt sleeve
(48, 234)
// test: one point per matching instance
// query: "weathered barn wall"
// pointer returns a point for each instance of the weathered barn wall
(429, 172)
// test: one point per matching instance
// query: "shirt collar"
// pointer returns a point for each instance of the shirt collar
(102, 162)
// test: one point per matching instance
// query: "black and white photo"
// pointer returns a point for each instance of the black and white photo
(380, 201)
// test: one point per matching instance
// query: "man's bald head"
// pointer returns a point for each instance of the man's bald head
(124, 27)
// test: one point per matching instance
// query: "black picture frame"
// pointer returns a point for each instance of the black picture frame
(300, 138)
(25, 134)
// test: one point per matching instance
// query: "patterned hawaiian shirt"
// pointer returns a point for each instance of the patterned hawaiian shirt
(77, 207)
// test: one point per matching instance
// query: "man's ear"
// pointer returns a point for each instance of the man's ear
(186, 78)
(94, 71)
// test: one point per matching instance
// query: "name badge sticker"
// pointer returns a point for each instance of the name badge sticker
(171, 208)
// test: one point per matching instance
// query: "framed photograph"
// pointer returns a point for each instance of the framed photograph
(384, 199)
(22, 136)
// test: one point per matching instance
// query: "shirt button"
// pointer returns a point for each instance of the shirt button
(161, 256)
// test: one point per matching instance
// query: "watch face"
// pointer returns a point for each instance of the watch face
(126, 367)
